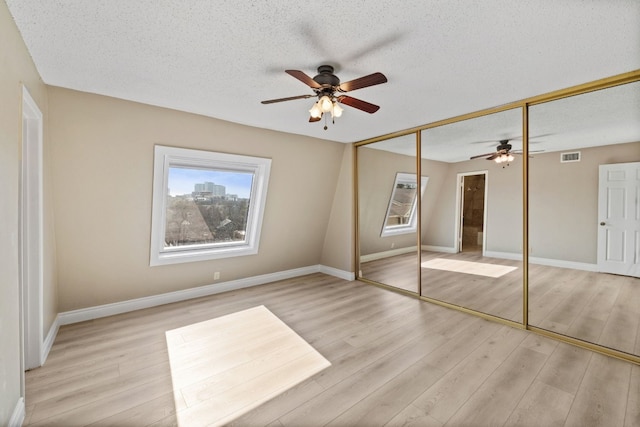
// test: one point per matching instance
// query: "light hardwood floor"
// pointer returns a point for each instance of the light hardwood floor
(395, 361)
(599, 308)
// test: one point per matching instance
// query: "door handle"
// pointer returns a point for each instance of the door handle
(603, 223)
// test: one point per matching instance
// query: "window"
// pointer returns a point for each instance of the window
(206, 205)
(401, 213)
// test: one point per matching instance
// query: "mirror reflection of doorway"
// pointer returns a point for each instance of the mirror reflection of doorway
(472, 212)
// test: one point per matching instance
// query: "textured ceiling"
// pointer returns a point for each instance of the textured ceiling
(603, 117)
(221, 58)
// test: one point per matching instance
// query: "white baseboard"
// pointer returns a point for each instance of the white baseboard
(445, 249)
(51, 337)
(17, 417)
(402, 251)
(564, 264)
(341, 274)
(105, 310)
(503, 255)
(544, 261)
(387, 254)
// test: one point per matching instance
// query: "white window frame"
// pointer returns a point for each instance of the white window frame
(412, 225)
(166, 157)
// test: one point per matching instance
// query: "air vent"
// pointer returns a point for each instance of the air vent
(570, 157)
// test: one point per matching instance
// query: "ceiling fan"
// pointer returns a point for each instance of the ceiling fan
(503, 153)
(329, 91)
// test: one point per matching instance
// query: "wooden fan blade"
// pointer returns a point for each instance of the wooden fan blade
(482, 155)
(314, 119)
(493, 156)
(303, 78)
(291, 98)
(357, 103)
(366, 81)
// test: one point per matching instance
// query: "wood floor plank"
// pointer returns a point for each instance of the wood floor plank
(279, 405)
(222, 408)
(442, 400)
(413, 417)
(395, 394)
(144, 414)
(540, 344)
(542, 405)
(365, 356)
(494, 401)
(632, 417)
(94, 410)
(602, 397)
(355, 387)
(450, 353)
(565, 368)
(547, 292)
(62, 406)
(63, 385)
(623, 322)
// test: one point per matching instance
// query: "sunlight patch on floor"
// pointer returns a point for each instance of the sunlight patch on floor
(224, 367)
(468, 267)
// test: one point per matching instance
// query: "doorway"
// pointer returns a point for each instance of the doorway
(31, 233)
(471, 215)
(619, 219)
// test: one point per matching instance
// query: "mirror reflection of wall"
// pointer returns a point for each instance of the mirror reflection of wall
(472, 227)
(388, 257)
(585, 174)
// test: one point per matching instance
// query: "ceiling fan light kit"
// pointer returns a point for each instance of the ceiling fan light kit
(502, 158)
(325, 105)
(326, 85)
(503, 154)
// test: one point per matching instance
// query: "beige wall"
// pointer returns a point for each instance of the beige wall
(338, 244)
(376, 174)
(563, 222)
(436, 205)
(504, 205)
(563, 211)
(16, 68)
(103, 166)
(377, 171)
(563, 204)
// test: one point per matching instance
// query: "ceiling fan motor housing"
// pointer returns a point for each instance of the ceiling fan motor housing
(325, 77)
(504, 145)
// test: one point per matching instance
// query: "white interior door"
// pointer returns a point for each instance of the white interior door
(619, 219)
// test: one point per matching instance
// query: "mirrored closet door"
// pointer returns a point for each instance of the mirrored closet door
(584, 217)
(472, 214)
(388, 189)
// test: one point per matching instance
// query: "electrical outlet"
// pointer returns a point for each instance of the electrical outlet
(216, 275)
(393, 245)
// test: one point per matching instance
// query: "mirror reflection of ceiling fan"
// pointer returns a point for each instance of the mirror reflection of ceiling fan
(503, 153)
(329, 91)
